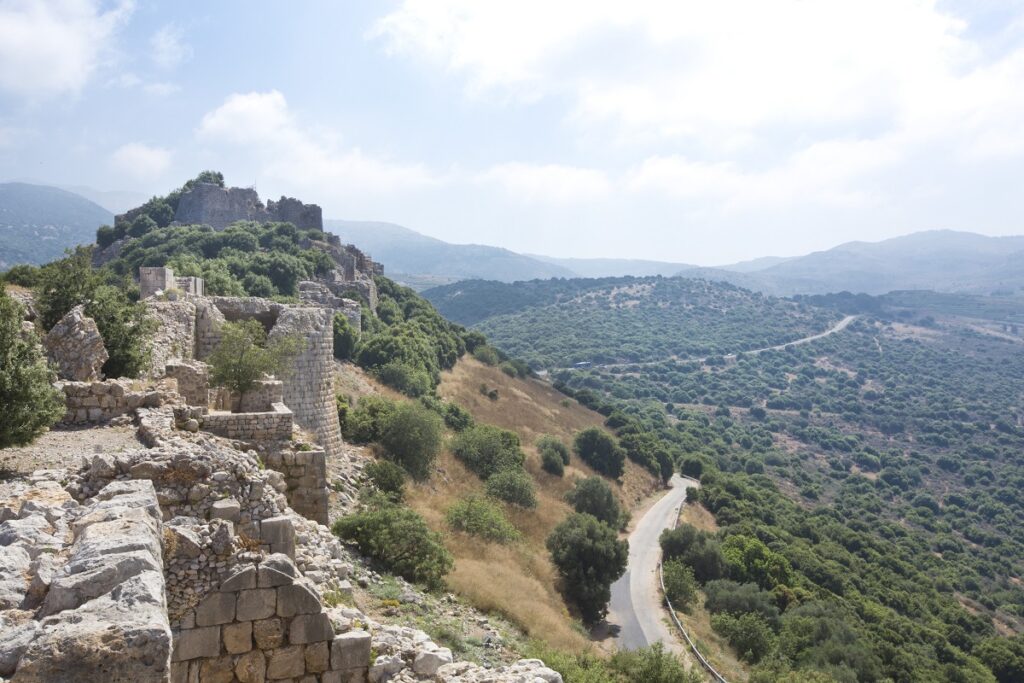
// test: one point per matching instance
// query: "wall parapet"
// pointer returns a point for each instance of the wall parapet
(272, 425)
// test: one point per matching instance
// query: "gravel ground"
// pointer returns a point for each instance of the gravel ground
(65, 447)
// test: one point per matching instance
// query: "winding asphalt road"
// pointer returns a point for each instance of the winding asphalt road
(636, 606)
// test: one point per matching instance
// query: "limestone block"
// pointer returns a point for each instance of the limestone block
(269, 633)
(226, 508)
(350, 650)
(197, 642)
(216, 609)
(258, 603)
(286, 662)
(238, 637)
(318, 657)
(16, 633)
(251, 667)
(428, 661)
(310, 628)
(76, 347)
(297, 599)
(240, 580)
(14, 566)
(218, 670)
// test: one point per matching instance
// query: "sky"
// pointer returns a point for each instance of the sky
(695, 132)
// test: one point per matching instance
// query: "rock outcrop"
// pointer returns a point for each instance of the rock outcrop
(76, 347)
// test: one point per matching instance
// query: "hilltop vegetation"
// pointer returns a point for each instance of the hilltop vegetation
(556, 323)
(865, 487)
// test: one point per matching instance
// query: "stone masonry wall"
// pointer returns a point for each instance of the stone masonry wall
(193, 379)
(305, 474)
(273, 425)
(266, 623)
(309, 388)
(153, 279)
(262, 396)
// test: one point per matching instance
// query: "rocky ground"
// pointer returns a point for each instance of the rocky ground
(200, 482)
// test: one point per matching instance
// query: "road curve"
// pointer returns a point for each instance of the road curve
(838, 327)
(636, 604)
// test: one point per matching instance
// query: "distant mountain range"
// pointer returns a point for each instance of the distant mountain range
(37, 222)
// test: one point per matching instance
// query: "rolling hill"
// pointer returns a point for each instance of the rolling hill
(38, 222)
(421, 261)
(938, 260)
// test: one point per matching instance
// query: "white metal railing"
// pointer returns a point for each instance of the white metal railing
(671, 610)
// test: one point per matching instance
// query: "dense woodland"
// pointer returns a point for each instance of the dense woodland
(557, 323)
(867, 486)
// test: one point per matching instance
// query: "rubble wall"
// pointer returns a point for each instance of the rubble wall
(274, 425)
(90, 402)
(174, 336)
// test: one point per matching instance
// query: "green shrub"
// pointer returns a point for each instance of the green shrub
(593, 496)
(589, 557)
(63, 285)
(699, 550)
(387, 477)
(28, 402)
(508, 369)
(400, 540)
(411, 436)
(550, 443)
(456, 417)
(367, 420)
(479, 516)
(653, 665)
(342, 405)
(405, 378)
(23, 275)
(512, 486)
(680, 586)
(244, 355)
(552, 463)
(692, 467)
(741, 598)
(748, 634)
(487, 355)
(345, 337)
(486, 450)
(599, 450)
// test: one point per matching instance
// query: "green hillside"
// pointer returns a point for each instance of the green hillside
(37, 223)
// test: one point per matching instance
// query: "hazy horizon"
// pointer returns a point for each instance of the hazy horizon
(575, 130)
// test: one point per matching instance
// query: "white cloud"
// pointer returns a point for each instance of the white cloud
(169, 48)
(140, 161)
(49, 47)
(303, 157)
(551, 183)
(161, 89)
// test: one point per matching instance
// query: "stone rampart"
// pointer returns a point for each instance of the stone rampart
(264, 623)
(174, 336)
(219, 207)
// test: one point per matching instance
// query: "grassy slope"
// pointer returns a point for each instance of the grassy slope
(517, 581)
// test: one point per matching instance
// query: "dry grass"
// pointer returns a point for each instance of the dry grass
(697, 515)
(518, 580)
(714, 648)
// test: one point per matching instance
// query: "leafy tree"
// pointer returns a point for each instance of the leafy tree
(400, 540)
(405, 378)
(345, 337)
(1004, 657)
(589, 557)
(141, 225)
(680, 586)
(65, 284)
(593, 496)
(388, 478)
(125, 329)
(487, 450)
(28, 402)
(244, 356)
(740, 598)
(599, 450)
(512, 486)
(23, 275)
(749, 559)
(481, 517)
(486, 355)
(412, 438)
(367, 421)
(699, 550)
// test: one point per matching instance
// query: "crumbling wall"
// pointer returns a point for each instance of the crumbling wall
(174, 336)
(319, 294)
(305, 475)
(219, 207)
(193, 378)
(265, 622)
(75, 346)
(153, 279)
(94, 576)
(102, 401)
